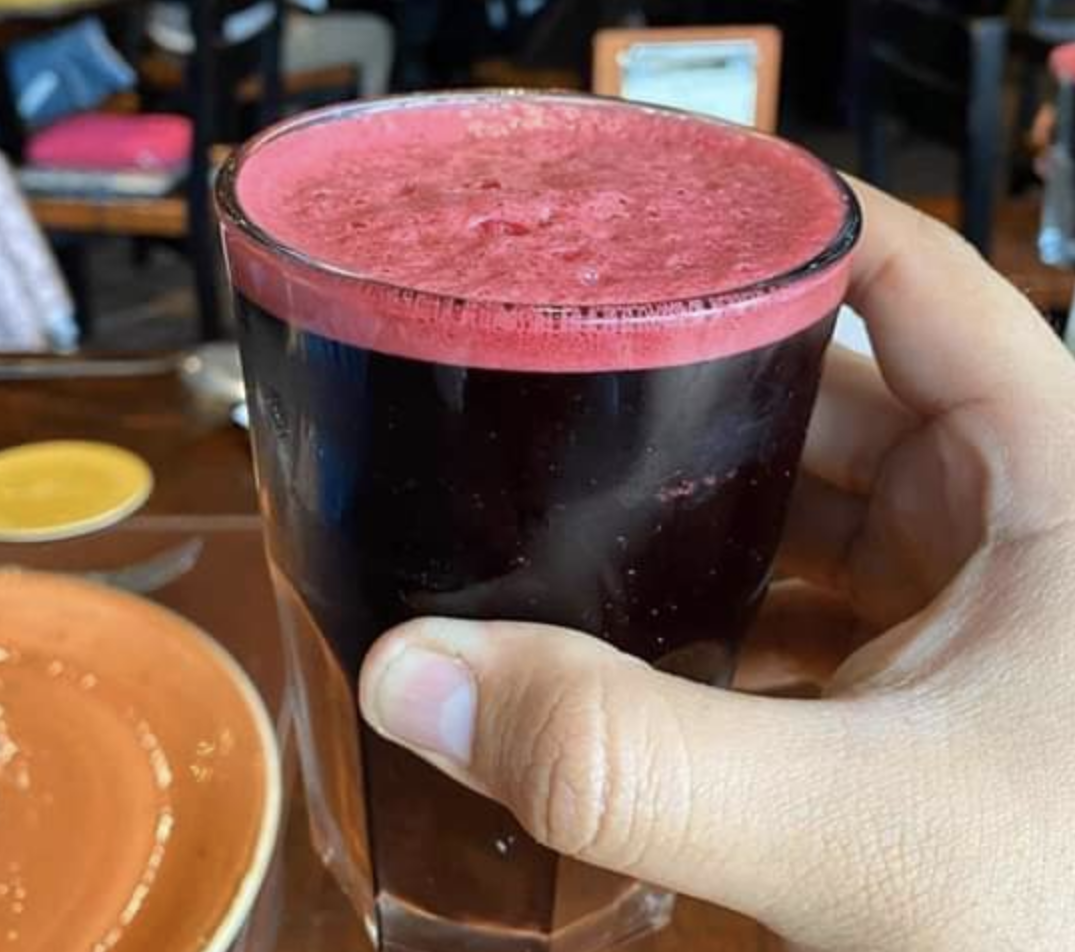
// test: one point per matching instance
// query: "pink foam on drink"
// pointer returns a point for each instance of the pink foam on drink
(540, 233)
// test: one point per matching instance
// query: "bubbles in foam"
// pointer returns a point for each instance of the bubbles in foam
(549, 205)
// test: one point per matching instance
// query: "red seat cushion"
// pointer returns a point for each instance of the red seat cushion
(1062, 62)
(107, 142)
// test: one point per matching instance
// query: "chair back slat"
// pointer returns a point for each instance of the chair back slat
(937, 67)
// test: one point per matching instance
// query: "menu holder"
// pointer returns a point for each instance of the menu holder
(732, 73)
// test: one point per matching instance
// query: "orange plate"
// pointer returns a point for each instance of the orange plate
(139, 778)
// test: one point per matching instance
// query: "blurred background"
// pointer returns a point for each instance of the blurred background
(115, 113)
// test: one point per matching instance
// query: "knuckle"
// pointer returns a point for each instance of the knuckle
(943, 237)
(569, 795)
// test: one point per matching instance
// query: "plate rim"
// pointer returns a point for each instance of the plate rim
(224, 932)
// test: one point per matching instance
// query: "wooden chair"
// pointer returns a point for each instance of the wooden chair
(1048, 21)
(701, 53)
(940, 74)
(305, 89)
(547, 49)
(213, 74)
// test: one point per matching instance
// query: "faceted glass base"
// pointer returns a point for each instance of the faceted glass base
(641, 909)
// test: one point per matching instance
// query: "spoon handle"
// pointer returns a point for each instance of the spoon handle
(79, 368)
(145, 576)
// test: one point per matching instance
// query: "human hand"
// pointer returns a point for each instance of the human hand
(926, 801)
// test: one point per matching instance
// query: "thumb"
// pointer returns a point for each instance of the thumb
(724, 796)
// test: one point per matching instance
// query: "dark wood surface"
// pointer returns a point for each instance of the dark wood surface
(201, 463)
(203, 488)
(317, 920)
(164, 217)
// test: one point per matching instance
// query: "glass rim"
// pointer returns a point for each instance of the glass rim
(232, 213)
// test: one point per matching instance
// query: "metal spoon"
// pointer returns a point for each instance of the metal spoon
(153, 573)
(147, 575)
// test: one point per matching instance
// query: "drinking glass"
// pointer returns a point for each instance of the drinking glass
(639, 502)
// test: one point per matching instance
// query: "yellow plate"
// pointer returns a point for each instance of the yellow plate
(66, 488)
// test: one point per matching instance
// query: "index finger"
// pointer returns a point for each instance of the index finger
(947, 329)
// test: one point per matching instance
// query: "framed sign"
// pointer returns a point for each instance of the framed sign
(729, 72)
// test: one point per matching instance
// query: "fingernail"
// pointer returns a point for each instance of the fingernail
(428, 700)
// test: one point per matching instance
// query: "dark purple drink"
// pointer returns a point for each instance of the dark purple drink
(458, 450)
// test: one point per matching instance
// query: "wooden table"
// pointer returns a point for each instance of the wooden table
(202, 465)
(205, 488)
(1015, 248)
